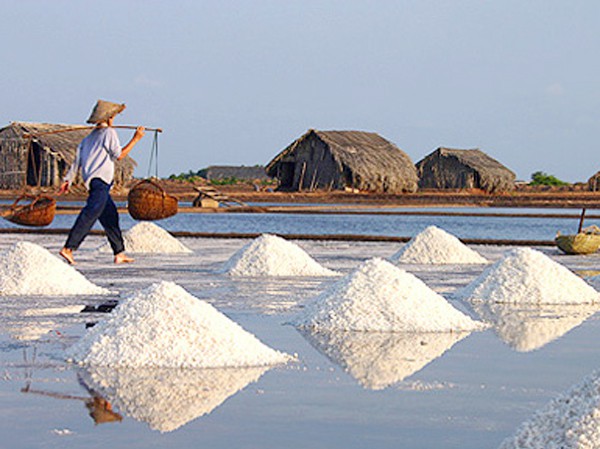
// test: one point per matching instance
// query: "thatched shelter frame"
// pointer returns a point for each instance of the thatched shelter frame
(343, 159)
(53, 154)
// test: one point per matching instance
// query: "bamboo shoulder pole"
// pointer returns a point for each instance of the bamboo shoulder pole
(81, 128)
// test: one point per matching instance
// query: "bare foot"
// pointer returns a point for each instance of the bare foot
(123, 258)
(67, 254)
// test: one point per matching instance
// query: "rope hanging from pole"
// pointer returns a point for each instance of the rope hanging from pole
(153, 156)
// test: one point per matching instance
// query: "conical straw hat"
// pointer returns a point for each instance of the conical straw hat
(105, 110)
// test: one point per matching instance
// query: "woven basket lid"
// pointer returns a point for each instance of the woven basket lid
(105, 110)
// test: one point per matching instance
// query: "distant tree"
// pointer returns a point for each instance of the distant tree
(539, 178)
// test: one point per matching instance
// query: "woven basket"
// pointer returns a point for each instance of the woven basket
(40, 212)
(578, 244)
(148, 201)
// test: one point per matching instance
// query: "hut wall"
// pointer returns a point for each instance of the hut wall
(446, 173)
(12, 164)
(315, 167)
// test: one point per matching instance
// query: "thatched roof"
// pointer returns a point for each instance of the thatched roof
(234, 171)
(493, 175)
(368, 155)
(64, 144)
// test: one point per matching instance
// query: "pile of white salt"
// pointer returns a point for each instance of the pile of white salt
(165, 326)
(269, 255)
(146, 237)
(527, 276)
(29, 269)
(380, 297)
(571, 420)
(435, 246)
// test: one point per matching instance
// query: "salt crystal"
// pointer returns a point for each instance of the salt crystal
(269, 255)
(164, 398)
(571, 420)
(379, 296)
(527, 276)
(146, 237)
(380, 359)
(29, 269)
(435, 246)
(165, 326)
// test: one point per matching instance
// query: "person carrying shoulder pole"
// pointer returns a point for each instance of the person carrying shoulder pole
(96, 156)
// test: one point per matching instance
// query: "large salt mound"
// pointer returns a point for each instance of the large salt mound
(146, 237)
(269, 255)
(29, 269)
(380, 359)
(525, 276)
(529, 327)
(379, 296)
(164, 326)
(570, 421)
(435, 246)
(164, 398)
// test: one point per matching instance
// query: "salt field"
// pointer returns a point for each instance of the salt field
(340, 389)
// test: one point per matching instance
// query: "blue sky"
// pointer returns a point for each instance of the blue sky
(234, 82)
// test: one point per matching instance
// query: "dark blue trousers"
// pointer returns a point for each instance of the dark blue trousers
(99, 206)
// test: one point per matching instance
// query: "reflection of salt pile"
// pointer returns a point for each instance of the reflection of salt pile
(165, 398)
(525, 275)
(379, 296)
(164, 326)
(571, 420)
(380, 359)
(33, 324)
(146, 237)
(435, 246)
(527, 329)
(29, 269)
(269, 255)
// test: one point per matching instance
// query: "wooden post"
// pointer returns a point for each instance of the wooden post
(581, 220)
(312, 183)
(301, 182)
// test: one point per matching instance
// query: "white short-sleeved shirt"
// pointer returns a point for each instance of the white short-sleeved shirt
(96, 156)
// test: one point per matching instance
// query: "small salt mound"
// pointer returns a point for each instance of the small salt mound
(380, 359)
(570, 421)
(164, 326)
(165, 398)
(379, 296)
(435, 246)
(29, 269)
(146, 237)
(527, 276)
(269, 255)
(529, 327)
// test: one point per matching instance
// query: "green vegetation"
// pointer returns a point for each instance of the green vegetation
(230, 181)
(539, 178)
(190, 176)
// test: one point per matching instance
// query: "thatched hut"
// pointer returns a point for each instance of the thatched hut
(448, 168)
(48, 158)
(341, 160)
(593, 184)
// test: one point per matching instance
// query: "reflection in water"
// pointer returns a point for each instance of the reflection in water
(529, 327)
(380, 359)
(164, 398)
(571, 420)
(31, 324)
(99, 409)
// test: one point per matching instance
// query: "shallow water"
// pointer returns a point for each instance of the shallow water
(343, 392)
(512, 228)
